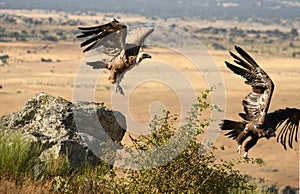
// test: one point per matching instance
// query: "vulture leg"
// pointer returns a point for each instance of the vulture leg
(240, 139)
(239, 149)
(117, 83)
(250, 144)
(119, 89)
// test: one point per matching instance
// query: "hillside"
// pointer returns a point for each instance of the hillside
(272, 11)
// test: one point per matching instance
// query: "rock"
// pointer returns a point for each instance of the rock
(62, 128)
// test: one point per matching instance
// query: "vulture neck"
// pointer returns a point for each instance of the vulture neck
(139, 58)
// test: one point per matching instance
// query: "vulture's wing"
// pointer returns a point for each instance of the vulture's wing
(138, 36)
(257, 102)
(111, 36)
(286, 121)
(135, 40)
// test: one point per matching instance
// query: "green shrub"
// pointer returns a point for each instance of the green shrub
(190, 171)
(18, 157)
(96, 179)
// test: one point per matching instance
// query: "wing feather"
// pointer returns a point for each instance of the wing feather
(137, 37)
(98, 37)
(113, 32)
(240, 71)
(287, 122)
(246, 56)
(256, 103)
(111, 38)
(101, 27)
(240, 61)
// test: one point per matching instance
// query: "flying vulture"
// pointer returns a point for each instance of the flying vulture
(122, 52)
(257, 122)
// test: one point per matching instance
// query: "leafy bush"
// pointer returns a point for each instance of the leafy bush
(190, 171)
(46, 60)
(97, 179)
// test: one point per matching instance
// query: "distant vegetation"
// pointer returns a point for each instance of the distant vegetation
(3, 60)
(271, 11)
(283, 43)
(46, 60)
(37, 30)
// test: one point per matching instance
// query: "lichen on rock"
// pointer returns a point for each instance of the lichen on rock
(59, 125)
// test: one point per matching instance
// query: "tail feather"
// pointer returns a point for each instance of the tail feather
(234, 127)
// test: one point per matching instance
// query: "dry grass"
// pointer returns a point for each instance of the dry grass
(26, 75)
(29, 187)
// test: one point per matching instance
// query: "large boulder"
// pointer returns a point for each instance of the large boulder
(62, 128)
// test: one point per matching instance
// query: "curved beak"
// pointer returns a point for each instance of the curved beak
(145, 55)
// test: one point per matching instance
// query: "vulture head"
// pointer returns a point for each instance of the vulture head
(270, 133)
(141, 56)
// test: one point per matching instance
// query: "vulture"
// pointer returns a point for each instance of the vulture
(121, 52)
(257, 122)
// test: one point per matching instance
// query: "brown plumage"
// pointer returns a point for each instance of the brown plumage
(121, 52)
(257, 122)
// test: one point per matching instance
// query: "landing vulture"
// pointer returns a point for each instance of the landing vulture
(121, 54)
(257, 122)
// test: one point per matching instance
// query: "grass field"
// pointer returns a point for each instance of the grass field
(27, 74)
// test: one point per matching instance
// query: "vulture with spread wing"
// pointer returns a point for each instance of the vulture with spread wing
(257, 122)
(122, 52)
